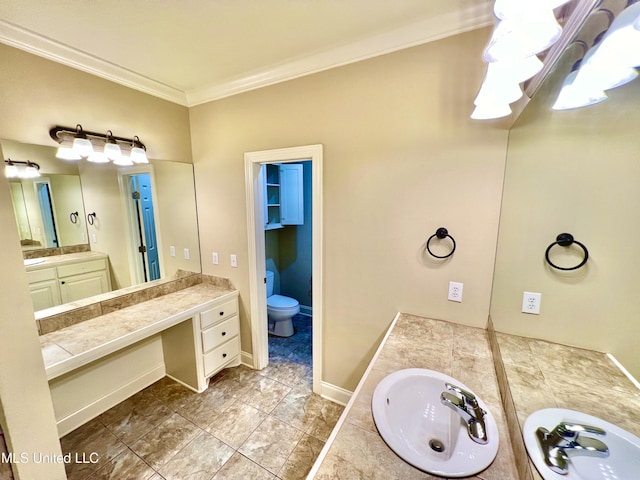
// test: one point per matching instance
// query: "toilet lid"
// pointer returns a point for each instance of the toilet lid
(279, 301)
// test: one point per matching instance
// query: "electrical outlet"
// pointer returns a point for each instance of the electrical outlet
(214, 258)
(455, 291)
(234, 260)
(531, 302)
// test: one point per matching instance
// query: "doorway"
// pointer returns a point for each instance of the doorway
(43, 190)
(256, 219)
(137, 190)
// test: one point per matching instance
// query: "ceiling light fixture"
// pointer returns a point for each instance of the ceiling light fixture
(18, 169)
(77, 143)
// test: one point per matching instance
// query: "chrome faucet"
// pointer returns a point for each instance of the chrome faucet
(466, 405)
(566, 438)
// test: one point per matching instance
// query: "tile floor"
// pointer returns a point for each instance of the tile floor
(248, 425)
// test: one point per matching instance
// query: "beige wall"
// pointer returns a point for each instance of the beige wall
(401, 158)
(577, 172)
(37, 94)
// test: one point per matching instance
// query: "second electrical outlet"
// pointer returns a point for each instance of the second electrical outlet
(455, 291)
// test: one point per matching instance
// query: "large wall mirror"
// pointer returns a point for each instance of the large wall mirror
(574, 171)
(76, 206)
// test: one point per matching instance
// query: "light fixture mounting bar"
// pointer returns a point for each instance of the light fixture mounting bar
(65, 136)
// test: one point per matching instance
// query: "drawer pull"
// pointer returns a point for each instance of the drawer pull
(224, 333)
(221, 313)
(224, 355)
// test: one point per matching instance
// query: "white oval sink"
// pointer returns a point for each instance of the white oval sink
(32, 261)
(414, 423)
(621, 462)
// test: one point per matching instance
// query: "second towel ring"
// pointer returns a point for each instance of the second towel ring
(441, 233)
(565, 240)
(73, 216)
(91, 218)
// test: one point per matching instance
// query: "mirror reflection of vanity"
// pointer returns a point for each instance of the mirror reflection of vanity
(84, 239)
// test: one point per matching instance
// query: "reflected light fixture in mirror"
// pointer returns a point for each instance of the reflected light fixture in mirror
(610, 63)
(523, 30)
(18, 169)
(76, 144)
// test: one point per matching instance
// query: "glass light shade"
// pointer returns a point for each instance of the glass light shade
(98, 157)
(123, 161)
(112, 151)
(31, 172)
(576, 93)
(11, 171)
(522, 69)
(522, 37)
(499, 85)
(621, 44)
(490, 111)
(82, 146)
(138, 155)
(67, 153)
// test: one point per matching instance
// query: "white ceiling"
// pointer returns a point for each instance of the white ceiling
(193, 51)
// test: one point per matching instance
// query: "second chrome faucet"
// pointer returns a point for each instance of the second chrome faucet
(466, 405)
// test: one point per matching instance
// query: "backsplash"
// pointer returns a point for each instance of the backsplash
(49, 252)
(62, 316)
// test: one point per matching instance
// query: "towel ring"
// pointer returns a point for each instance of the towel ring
(90, 218)
(441, 233)
(565, 240)
(73, 216)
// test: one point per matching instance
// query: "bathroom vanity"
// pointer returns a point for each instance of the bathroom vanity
(64, 278)
(188, 334)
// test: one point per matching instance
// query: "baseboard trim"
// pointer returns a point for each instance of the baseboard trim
(246, 359)
(89, 412)
(335, 394)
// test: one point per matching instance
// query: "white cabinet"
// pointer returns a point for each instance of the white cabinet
(283, 195)
(220, 335)
(65, 279)
(43, 285)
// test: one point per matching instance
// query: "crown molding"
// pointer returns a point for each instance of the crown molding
(425, 31)
(41, 46)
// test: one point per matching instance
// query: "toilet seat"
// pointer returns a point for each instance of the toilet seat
(280, 303)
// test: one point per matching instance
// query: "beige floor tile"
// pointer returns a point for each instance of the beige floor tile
(201, 409)
(127, 465)
(271, 444)
(301, 459)
(323, 424)
(299, 408)
(234, 425)
(200, 459)
(285, 371)
(262, 393)
(240, 467)
(135, 416)
(164, 441)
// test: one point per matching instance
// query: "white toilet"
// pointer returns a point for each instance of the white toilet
(280, 310)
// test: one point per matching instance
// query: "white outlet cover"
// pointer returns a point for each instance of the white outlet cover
(455, 291)
(531, 302)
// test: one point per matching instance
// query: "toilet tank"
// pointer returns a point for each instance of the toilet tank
(269, 283)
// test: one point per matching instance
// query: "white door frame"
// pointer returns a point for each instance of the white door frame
(135, 266)
(255, 229)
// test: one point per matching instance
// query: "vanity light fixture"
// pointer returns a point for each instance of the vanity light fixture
(18, 169)
(77, 143)
(610, 63)
(523, 29)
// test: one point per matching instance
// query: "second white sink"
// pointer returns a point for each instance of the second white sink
(620, 463)
(414, 423)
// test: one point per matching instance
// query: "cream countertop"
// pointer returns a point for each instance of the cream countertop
(355, 450)
(53, 260)
(79, 344)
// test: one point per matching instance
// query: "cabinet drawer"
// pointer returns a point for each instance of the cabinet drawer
(41, 275)
(225, 310)
(219, 356)
(83, 267)
(220, 333)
